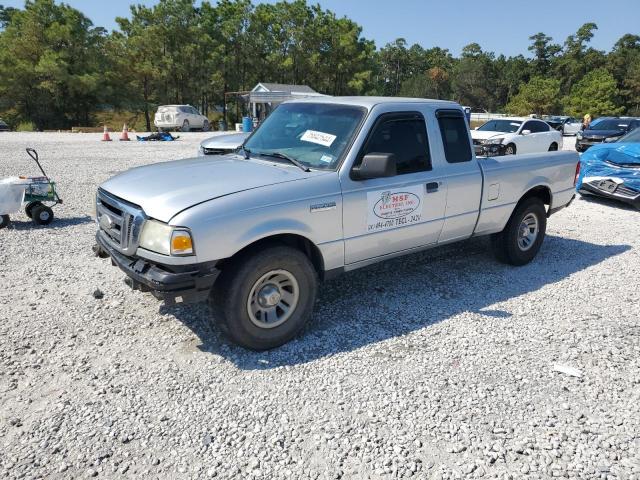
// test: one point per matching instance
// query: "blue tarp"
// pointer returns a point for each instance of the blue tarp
(619, 162)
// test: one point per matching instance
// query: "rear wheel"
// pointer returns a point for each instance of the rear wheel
(264, 299)
(510, 150)
(29, 208)
(522, 238)
(5, 221)
(42, 215)
(553, 147)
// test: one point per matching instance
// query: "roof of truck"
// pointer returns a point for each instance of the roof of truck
(369, 102)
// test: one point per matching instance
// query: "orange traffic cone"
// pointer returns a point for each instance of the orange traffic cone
(125, 134)
(106, 137)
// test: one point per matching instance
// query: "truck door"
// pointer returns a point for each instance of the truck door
(464, 185)
(387, 215)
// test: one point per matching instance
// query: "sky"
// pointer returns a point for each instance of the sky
(500, 26)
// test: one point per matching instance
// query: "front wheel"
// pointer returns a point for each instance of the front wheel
(522, 238)
(263, 300)
(42, 215)
(185, 126)
(29, 208)
(553, 147)
(510, 150)
(5, 221)
(206, 126)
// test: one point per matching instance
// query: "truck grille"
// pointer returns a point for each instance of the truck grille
(119, 221)
(627, 191)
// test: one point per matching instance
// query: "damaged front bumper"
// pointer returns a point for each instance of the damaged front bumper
(172, 284)
(612, 189)
(489, 149)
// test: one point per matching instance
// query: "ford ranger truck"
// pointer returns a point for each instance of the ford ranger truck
(324, 186)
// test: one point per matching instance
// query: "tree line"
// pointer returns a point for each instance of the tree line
(58, 70)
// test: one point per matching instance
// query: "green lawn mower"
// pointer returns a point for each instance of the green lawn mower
(38, 194)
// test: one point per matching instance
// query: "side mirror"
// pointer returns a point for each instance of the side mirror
(375, 165)
(525, 132)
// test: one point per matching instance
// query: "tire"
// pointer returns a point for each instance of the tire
(29, 208)
(510, 150)
(206, 126)
(42, 215)
(510, 245)
(245, 321)
(5, 221)
(185, 126)
(553, 147)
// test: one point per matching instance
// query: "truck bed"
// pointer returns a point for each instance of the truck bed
(507, 178)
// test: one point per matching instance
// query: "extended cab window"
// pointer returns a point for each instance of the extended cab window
(404, 135)
(455, 136)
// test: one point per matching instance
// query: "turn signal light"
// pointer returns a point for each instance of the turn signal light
(575, 179)
(181, 243)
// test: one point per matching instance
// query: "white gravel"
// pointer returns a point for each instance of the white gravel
(445, 364)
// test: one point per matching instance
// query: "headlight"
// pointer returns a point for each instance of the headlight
(162, 238)
(493, 141)
(201, 151)
(611, 139)
(579, 135)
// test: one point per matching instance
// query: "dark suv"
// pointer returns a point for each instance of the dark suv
(605, 129)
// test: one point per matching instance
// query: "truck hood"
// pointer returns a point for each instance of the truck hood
(163, 190)
(484, 134)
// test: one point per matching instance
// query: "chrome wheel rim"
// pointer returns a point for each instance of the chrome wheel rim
(273, 299)
(528, 232)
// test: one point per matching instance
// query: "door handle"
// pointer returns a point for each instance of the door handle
(432, 187)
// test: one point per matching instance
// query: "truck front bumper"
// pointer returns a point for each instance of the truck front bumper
(171, 283)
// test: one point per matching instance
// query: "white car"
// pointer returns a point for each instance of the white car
(509, 136)
(183, 117)
(564, 124)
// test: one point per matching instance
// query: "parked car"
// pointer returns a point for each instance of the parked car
(324, 186)
(566, 125)
(612, 170)
(4, 127)
(180, 117)
(508, 136)
(222, 144)
(604, 130)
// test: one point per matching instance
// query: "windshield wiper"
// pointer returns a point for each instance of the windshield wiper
(246, 152)
(284, 156)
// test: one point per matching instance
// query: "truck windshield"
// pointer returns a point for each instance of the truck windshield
(314, 134)
(504, 126)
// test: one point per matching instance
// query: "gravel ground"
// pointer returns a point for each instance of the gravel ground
(435, 365)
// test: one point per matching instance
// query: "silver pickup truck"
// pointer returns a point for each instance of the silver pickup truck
(324, 186)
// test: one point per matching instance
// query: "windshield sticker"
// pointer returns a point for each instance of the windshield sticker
(321, 138)
(388, 209)
(326, 158)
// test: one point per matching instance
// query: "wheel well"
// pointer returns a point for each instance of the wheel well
(541, 192)
(298, 242)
